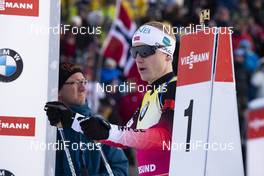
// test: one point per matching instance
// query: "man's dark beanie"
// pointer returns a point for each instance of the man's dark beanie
(66, 70)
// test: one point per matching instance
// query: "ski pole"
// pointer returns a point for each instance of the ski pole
(69, 159)
(107, 166)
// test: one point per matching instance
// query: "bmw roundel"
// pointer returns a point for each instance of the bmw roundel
(11, 65)
(4, 172)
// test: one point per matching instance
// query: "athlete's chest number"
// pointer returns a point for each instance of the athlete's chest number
(188, 112)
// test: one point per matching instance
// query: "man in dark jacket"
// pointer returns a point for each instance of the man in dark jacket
(85, 154)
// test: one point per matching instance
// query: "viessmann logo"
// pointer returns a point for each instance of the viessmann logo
(19, 7)
(17, 126)
(194, 58)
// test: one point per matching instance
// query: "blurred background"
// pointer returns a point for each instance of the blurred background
(103, 51)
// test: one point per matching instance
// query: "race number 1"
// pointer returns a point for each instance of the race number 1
(193, 97)
(205, 126)
(188, 113)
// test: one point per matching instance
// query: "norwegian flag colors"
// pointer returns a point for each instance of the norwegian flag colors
(118, 41)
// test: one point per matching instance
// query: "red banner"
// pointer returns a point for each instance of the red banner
(17, 126)
(255, 123)
(19, 7)
(224, 59)
(195, 58)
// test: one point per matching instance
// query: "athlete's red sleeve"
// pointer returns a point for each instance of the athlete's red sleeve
(157, 137)
(153, 138)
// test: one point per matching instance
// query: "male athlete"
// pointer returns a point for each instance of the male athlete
(150, 128)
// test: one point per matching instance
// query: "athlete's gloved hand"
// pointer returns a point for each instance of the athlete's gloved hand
(59, 112)
(95, 127)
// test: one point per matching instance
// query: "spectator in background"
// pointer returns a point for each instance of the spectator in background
(94, 94)
(241, 33)
(258, 80)
(257, 32)
(68, 47)
(222, 17)
(241, 80)
(110, 77)
(242, 88)
(109, 71)
(251, 62)
(251, 58)
(108, 111)
(131, 99)
(230, 4)
(258, 11)
(243, 10)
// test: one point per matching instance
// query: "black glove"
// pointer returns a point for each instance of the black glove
(58, 112)
(95, 128)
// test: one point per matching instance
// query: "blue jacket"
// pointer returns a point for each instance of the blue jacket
(88, 154)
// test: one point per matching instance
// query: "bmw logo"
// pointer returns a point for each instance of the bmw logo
(11, 65)
(4, 172)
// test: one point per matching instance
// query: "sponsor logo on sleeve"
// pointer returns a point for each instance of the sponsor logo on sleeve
(125, 128)
(130, 122)
(146, 168)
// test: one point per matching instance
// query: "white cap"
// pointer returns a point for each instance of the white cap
(153, 36)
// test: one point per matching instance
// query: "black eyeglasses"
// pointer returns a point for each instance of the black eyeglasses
(144, 50)
(81, 82)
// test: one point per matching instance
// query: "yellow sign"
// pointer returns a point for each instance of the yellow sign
(204, 15)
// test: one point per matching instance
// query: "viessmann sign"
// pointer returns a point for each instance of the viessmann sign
(17, 126)
(19, 7)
